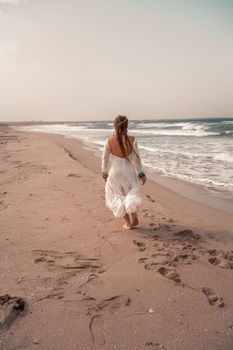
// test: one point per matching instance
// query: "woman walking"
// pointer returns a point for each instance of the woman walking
(122, 170)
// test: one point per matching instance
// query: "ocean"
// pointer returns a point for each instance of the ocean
(199, 151)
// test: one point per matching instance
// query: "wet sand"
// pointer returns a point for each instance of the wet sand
(72, 278)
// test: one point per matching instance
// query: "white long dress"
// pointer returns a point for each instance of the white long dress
(122, 185)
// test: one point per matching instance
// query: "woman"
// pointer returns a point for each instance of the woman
(122, 170)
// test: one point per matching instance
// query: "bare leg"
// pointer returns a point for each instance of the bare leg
(127, 224)
(135, 221)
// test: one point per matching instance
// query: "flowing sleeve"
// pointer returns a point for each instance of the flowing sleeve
(137, 158)
(105, 157)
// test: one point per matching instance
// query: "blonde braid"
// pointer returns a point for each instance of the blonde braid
(121, 128)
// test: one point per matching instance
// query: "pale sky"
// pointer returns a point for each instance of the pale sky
(95, 59)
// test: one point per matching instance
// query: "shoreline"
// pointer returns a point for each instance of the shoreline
(213, 199)
(152, 188)
(193, 191)
(87, 283)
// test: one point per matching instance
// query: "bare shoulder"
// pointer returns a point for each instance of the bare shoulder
(111, 139)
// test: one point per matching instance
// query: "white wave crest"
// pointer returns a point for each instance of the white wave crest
(170, 151)
(193, 179)
(182, 132)
(226, 157)
(160, 125)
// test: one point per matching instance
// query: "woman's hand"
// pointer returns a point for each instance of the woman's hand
(143, 179)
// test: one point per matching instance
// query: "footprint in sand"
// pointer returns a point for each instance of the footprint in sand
(97, 323)
(172, 255)
(221, 258)
(160, 226)
(170, 274)
(169, 254)
(142, 260)
(96, 327)
(150, 199)
(212, 297)
(140, 245)
(47, 287)
(145, 213)
(160, 258)
(68, 265)
(112, 304)
(188, 236)
(53, 294)
(151, 266)
(10, 308)
(186, 257)
(71, 261)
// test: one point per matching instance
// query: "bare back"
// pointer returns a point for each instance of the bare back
(115, 147)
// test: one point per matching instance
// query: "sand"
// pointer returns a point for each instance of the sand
(71, 278)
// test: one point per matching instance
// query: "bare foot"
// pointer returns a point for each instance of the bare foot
(127, 227)
(135, 221)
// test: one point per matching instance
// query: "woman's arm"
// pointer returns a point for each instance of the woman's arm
(105, 160)
(137, 163)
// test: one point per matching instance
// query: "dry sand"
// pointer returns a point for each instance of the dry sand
(71, 278)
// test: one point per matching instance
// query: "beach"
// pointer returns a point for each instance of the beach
(82, 282)
(192, 157)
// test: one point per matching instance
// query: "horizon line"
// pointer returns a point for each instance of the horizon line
(103, 120)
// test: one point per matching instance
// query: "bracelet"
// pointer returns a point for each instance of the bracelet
(105, 175)
(141, 174)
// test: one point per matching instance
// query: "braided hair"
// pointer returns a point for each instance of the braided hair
(121, 130)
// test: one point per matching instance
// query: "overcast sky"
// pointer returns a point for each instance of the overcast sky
(95, 59)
